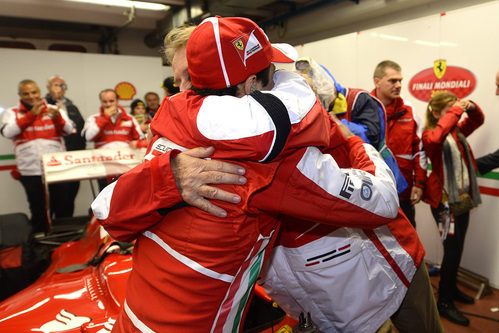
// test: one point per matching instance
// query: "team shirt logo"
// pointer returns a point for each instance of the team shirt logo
(247, 46)
(161, 146)
(366, 192)
(347, 188)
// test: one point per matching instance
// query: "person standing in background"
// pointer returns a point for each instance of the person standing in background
(152, 103)
(112, 127)
(169, 86)
(490, 161)
(56, 95)
(402, 137)
(452, 182)
(138, 110)
(36, 127)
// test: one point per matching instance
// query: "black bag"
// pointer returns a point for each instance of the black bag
(22, 259)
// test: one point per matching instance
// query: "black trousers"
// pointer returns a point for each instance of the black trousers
(409, 211)
(59, 201)
(71, 189)
(453, 251)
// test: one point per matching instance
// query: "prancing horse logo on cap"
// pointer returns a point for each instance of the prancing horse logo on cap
(246, 46)
(239, 45)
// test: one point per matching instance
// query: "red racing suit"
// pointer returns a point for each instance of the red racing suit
(34, 136)
(195, 272)
(433, 141)
(101, 129)
(404, 142)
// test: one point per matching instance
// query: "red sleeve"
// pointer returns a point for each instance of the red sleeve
(358, 157)
(102, 120)
(309, 185)
(417, 165)
(444, 126)
(25, 121)
(125, 217)
(474, 120)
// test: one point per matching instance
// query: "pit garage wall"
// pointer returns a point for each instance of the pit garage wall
(86, 75)
(466, 38)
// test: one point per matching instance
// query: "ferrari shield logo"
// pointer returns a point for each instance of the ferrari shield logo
(439, 67)
(239, 45)
(247, 46)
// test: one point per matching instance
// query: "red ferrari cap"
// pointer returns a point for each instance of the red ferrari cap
(223, 52)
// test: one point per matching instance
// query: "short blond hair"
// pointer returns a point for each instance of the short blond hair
(176, 39)
(380, 70)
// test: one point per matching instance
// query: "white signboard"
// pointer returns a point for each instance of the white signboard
(89, 164)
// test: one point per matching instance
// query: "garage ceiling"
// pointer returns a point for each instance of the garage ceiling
(295, 22)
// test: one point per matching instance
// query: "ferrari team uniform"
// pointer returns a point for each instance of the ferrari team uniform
(403, 140)
(33, 136)
(107, 132)
(195, 272)
(111, 132)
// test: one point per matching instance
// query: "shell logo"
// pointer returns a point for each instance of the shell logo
(125, 90)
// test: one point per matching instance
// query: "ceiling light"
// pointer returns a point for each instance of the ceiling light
(126, 3)
(426, 43)
(398, 38)
(450, 44)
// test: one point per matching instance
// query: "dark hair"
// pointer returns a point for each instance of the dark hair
(109, 90)
(170, 86)
(262, 76)
(134, 104)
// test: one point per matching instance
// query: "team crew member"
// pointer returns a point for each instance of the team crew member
(169, 86)
(452, 181)
(56, 95)
(361, 112)
(36, 128)
(402, 137)
(212, 264)
(152, 103)
(112, 127)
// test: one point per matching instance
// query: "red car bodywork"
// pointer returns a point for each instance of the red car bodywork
(86, 300)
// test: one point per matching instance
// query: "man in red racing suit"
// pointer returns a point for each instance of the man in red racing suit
(402, 137)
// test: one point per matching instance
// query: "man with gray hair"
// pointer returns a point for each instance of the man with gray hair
(56, 87)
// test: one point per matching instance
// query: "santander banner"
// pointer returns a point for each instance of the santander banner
(457, 80)
(89, 164)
